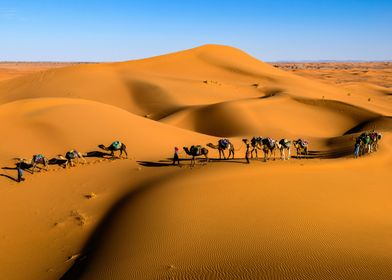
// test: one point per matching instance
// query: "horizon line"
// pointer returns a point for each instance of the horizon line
(266, 61)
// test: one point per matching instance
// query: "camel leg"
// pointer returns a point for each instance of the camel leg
(289, 154)
(83, 159)
(251, 152)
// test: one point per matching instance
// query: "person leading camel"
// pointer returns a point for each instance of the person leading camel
(195, 151)
(20, 172)
(115, 146)
(223, 144)
(247, 152)
(176, 157)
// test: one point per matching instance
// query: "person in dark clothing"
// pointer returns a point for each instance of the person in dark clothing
(247, 153)
(175, 156)
(20, 172)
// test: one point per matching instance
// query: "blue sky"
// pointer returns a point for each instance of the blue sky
(72, 30)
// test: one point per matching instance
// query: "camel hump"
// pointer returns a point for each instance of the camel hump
(71, 154)
(195, 149)
(224, 143)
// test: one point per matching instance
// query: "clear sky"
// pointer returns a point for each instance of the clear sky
(273, 30)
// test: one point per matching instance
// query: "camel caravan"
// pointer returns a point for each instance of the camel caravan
(366, 143)
(267, 145)
(70, 159)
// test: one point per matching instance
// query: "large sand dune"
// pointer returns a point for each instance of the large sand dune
(319, 218)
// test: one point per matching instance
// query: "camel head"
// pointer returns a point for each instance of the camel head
(211, 145)
(103, 147)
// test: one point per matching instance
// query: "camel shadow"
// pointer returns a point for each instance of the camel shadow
(97, 154)
(24, 166)
(169, 162)
(155, 164)
(56, 161)
(229, 160)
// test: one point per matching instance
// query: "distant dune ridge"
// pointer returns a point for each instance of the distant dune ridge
(301, 219)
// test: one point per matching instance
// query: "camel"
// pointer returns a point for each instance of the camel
(223, 144)
(196, 151)
(374, 137)
(301, 146)
(115, 146)
(365, 143)
(37, 159)
(256, 143)
(283, 145)
(267, 145)
(71, 155)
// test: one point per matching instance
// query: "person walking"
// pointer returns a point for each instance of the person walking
(176, 159)
(20, 172)
(247, 152)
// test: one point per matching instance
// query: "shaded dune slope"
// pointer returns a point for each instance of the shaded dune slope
(55, 125)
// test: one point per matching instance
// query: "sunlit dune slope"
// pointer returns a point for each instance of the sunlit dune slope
(186, 87)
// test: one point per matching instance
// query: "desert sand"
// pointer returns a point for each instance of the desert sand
(324, 217)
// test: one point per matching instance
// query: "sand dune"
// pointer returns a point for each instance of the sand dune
(325, 217)
(329, 225)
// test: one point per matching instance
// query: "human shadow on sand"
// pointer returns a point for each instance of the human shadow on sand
(9, 177)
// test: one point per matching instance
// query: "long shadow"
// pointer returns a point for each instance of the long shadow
(98, 154)
(25, 166)
(230, 160)
(155, 164)
(169, 162)
(9, 177)
(338, 153)
(56, 161)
